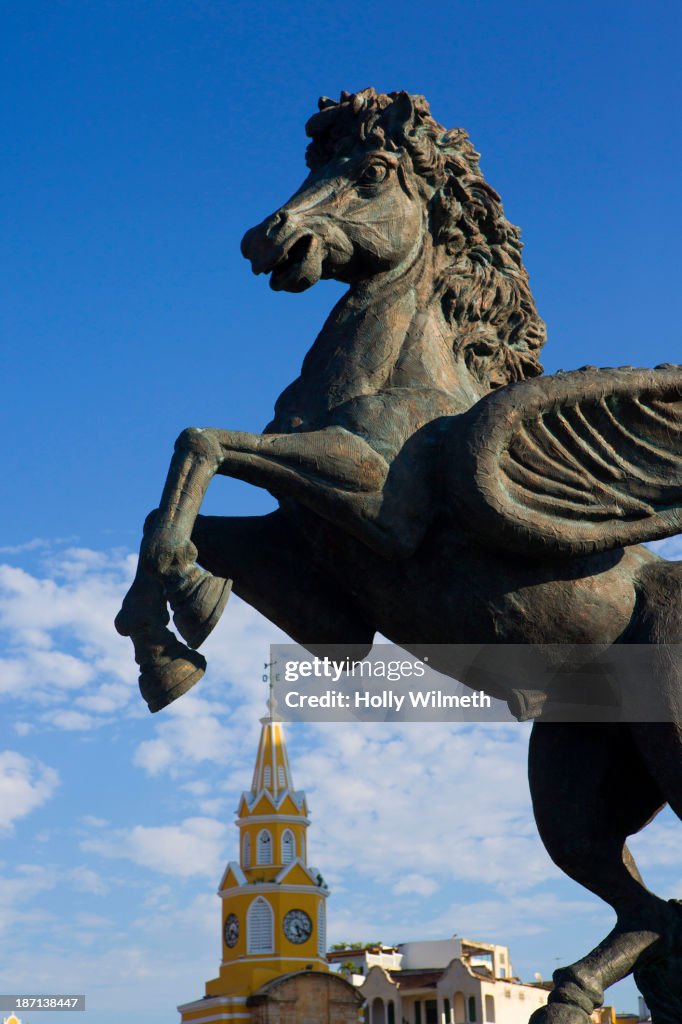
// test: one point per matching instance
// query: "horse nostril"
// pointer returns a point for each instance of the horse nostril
(279, 220)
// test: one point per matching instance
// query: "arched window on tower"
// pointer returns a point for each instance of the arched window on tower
(281, 779)
(259, 927)
(246, 851)
(321, 930)
(267, 774)
(288, 847)
(264, 847)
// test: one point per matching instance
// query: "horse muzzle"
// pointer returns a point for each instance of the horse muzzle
(292, 257)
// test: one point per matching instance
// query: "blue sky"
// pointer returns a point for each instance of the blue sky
(141, 140)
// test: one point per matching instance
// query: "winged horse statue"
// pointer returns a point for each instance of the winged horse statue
(434, 486)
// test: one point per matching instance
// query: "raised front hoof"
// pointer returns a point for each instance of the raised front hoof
(197, 611)
(167, 668)
(161, 684)
(559, 1013)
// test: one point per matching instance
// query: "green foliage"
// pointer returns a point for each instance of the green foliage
(338, 946)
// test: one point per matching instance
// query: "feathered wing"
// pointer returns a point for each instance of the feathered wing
(576, 463)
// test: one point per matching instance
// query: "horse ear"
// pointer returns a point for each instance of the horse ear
(401, 113)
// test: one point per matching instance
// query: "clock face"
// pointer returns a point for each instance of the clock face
(297, 926)
(231, 930)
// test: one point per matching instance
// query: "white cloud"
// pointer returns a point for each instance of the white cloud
(92, 821)
(72, 721)
(463, 791)
(189, 733)
(503, 919)
(87, 880)
(200, 916)
(420, 885)
(25, 784)
(61, 648)
(107, 698)
(19, 890)
(45, 672)
(658, 845)
(515, 915)
(59, 633)
(194, 847)
(30, 545)
(198, 787)
(154, 964)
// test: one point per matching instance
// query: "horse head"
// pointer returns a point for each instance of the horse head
(388, 184)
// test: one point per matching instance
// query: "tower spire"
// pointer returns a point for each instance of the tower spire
(272, 771)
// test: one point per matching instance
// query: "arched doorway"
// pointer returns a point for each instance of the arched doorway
(378, 1012)
(459, 1008)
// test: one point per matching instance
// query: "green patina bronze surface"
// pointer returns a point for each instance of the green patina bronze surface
(435, 487)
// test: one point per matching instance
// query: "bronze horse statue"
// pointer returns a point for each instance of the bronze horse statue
(434, 487)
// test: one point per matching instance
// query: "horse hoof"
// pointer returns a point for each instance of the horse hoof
(167, 668)
(162, 685)
(197, 611)
(559, 1013)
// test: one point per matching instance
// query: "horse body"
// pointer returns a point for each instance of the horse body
(367, 454)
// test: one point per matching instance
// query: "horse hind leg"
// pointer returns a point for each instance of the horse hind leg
(658, 624)
(584, 816)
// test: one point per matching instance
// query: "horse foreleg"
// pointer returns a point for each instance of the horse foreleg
(337, 475)
(167, 667)
(604, 794)
(167, 552)
(333, 472)
(167, 570)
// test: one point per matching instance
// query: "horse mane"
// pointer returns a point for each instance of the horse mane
(483, 287)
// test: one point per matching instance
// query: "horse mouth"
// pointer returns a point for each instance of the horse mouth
(300, 267)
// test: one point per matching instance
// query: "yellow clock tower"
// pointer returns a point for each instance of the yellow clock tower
(273, 903)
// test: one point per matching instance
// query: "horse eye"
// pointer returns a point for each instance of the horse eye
(373, 174)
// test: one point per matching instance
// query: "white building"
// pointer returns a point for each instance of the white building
(452, 981)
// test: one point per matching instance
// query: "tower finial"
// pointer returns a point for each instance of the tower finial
(272, 704)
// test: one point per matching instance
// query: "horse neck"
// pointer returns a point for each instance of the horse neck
(386, 333)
